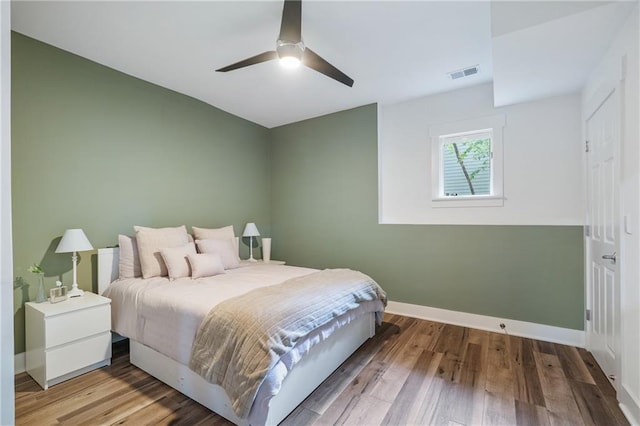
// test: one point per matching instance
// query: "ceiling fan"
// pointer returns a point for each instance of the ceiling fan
(291, 50)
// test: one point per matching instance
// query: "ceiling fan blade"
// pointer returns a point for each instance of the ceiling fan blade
(263, 57)
(315, 62)
(291, 25)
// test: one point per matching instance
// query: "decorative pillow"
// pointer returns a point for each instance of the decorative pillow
(129, 261)
(151, 240)
(223, 233)
(205, 265)
(176, 260)
(226, 249)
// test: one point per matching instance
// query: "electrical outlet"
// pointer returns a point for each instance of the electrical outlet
(503, 325)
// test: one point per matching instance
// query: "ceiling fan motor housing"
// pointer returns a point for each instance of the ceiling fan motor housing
(287, 49)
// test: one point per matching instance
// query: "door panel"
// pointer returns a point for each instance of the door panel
(603, 285)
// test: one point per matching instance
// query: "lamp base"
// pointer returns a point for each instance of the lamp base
(75, 292)
(251, 260)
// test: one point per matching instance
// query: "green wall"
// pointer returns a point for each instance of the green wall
(96, 149)
(324, 214)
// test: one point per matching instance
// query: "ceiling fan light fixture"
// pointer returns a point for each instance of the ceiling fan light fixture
(290, 62)
(290, 54)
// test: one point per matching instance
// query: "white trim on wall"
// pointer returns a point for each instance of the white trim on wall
(628, 412)
(547, 333)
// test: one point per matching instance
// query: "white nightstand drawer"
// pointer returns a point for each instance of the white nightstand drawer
(75, 325)
(71, 357)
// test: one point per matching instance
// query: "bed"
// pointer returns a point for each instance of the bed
(162, 333)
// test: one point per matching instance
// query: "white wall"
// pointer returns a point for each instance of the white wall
(7, 412)
(619, 67)
(542, 160)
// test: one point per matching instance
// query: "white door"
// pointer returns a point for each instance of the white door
(603, 283)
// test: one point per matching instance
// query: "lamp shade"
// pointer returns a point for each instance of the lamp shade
(251, 230)
(73, 240)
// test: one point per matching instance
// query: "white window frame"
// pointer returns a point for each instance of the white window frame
(445, 133)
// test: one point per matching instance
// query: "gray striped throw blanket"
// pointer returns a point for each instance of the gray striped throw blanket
(242, 338)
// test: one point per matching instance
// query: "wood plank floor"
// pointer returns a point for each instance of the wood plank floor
(412, 372)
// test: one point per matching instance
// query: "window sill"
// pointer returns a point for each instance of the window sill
(488, 201)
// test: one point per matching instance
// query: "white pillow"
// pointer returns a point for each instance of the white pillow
(176, 260)
(226, 249)
(205, 265)
(223, 233)
(128, 261)
(151, 240)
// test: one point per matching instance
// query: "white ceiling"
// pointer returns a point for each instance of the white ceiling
(550, 54)
(394, 50)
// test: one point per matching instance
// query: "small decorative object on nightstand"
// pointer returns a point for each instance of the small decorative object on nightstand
(251, 230)
(74, 240)
(58, 294)
(266, 250)
(67, 339)
(37, 270)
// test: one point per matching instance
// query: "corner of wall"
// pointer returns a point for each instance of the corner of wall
(380, 156)
(20, 363)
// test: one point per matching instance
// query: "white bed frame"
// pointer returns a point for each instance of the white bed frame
(306, 375)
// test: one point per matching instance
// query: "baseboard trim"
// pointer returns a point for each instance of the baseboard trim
(19, 363)
(629, 404)
(548, 333)
(628, 413)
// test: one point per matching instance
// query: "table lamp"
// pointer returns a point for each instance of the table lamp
(251, 230)
(73, 241)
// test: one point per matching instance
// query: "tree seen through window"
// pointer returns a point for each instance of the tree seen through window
(467, 166)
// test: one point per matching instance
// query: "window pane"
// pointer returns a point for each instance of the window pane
(467, 167)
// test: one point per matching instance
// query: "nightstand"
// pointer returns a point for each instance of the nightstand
(245, 262)
(68, 338)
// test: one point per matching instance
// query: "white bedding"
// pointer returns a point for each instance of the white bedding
(165, 315)
(157, 311)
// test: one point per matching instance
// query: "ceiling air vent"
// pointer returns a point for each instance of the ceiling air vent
(466, 72)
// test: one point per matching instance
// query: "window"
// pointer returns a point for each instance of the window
(467, 163)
